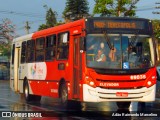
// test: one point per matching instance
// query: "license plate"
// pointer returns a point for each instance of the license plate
(122, 94)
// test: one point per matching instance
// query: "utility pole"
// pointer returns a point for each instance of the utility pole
(27, 27)
(157, 7)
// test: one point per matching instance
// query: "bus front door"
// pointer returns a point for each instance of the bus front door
(16, 69)
(77, 64)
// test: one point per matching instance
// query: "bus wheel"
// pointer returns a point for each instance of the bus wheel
(37, 98)
(123, 105)
(64, 94)
(158, 77)
(27, 96)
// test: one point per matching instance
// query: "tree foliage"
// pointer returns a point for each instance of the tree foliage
(7, 30)
(7, 33)
(75, 9)
(115, 7)
(51, 20)
(156, 28)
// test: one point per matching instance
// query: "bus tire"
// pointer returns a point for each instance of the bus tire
(158, 77)
(37, 98)
(123, 105)
(64, 95)
(28, 97)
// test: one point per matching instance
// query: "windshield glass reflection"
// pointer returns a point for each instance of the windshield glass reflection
(119, 51)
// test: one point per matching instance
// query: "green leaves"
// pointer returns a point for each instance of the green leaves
(156, 28)
(51, 20)
(115, 7)
(75, 9)
(7, 33)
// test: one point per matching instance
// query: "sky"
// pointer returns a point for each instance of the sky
(33, 11)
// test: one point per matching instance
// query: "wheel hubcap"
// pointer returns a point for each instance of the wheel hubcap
(26, 91)
(64, 95)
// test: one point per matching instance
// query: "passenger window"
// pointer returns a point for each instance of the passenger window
(30, 50)
(23, 52)
(50, 47)
(40, 49)
(63, 46)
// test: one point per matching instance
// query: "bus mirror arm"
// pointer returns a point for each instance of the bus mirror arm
(83, 43)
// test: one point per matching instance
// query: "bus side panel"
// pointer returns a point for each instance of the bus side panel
(54, 72)
(36, 72)
(40, 87)
(57, 71)
(44, 77)
(22, 75)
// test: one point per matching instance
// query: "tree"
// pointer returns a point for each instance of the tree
(7, 33)
(75, 9)
(115, 7)
(51, 20)
(42, 27)
(156, 29)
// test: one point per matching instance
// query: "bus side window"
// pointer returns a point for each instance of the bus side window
(50, 47)
(30, 50)
(40, 49)
(63, 46)
(23, 52)
(13, 50)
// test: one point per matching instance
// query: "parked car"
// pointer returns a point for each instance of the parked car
(158, 72)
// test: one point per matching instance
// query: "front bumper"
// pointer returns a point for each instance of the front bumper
(98, 94)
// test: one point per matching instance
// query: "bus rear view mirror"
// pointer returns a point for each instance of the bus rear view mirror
(82, 43)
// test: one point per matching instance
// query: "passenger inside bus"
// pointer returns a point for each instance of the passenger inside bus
(103, 51)
(112, 54)
(93, 50)
(103, 47)
(129, 52)
(100, 57)
(93, 47)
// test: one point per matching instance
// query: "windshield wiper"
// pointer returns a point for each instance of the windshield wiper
(108, 40)
(133, 41)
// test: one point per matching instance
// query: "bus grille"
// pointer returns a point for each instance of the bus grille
(122, 84)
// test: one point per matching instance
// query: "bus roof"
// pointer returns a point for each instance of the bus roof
(63, 27)
(23, 38)
(56, 29)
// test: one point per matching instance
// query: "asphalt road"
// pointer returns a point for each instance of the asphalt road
(14, 107)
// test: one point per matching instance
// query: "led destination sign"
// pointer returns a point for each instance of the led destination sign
(119, 24)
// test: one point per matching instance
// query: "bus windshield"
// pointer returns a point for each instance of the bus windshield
(119, 51)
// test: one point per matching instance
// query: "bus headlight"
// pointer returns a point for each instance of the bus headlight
(90, 81)
(149, 83)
